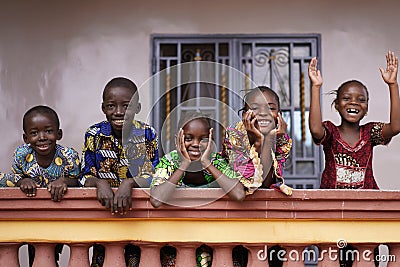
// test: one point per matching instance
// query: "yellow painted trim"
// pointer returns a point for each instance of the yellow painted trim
(208, 231)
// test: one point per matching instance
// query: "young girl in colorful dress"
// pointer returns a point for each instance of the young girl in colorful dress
(193, 165)
(348, 147)
(257, 147)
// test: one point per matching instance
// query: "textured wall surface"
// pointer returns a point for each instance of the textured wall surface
(61, 53)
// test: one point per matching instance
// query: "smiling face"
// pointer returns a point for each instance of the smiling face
(352, 103)
(115, 103)
(196, 134)
(266, 108)
(41, 132)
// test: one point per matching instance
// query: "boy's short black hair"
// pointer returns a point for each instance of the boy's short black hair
(193, 115)
(40, 110)
(120, 82)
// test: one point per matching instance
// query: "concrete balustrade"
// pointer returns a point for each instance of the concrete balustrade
(325, 218)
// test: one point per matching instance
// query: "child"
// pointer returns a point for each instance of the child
(193, 165)
(105, 162)
(251, 148)
(41, 162)
(249, 145)
(348, 147)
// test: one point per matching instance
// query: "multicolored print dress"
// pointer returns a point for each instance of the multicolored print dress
(346, 166)
(243, 158)
(171, 161)
(65, 163)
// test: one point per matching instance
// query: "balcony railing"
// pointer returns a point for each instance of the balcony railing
(320, 217)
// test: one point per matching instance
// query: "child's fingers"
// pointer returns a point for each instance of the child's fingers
(55, 194)
(253, 123)
(124, 206)
(31, 190)
(382, 71)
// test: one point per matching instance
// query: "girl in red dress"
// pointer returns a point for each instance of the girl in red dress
(348, 147)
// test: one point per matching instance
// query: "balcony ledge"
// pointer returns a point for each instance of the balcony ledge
(308, 216)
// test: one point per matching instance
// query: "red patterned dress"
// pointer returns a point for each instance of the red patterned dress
(346, 166)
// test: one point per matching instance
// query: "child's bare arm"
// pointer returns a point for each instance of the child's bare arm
(389, 76)
(315, 117)
(232, 187)
(160, 194)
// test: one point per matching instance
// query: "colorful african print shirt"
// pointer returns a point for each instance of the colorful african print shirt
(349, 166)
(65, 163)
(244, 158)
(104, 157)
(171, 161)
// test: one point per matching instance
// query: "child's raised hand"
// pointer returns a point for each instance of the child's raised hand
(205, 156)
(57, 189)
(250, 123)
(180, 147)
(282, 126)
(314, 73)
(389, 75)
(28, 186)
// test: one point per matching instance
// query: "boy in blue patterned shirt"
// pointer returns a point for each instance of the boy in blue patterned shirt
(41, 162)
(106, 163)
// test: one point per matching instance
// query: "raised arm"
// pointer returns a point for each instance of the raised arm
(160, 193)
(315, 117)
(389, 76)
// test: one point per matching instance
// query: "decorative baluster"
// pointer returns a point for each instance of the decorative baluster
(114, 255)
(150, 254)
(328, 255)
(44, 255)
(257, 255)
(364, 255)
(9, 254)
(79, 255)
(223, 255)
(294, 256)
(186, 255)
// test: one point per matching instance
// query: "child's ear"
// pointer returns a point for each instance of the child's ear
(103, 107)
(336, 105)
(138, 108)
(25, 138)
(59, 134)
